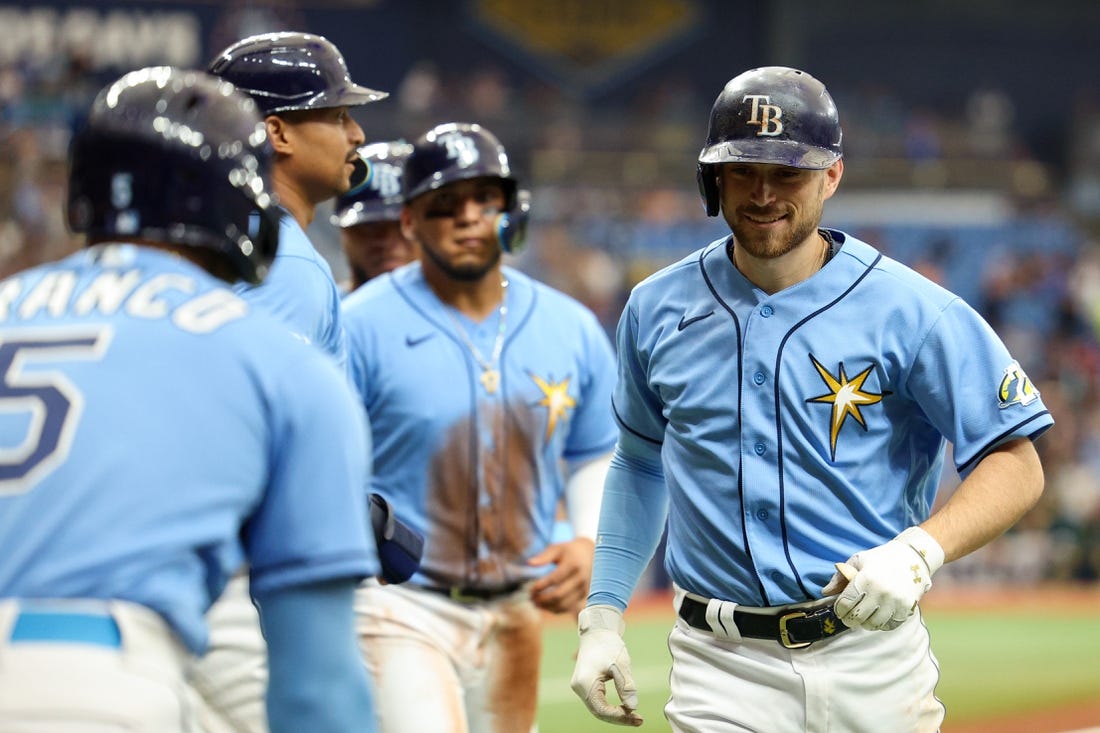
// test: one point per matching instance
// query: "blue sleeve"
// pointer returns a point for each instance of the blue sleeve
(638, 408)
(312, 523)
(593, 427)
(318, 682)
(632, 517)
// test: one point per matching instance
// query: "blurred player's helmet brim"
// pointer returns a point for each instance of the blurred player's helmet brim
(180, 157)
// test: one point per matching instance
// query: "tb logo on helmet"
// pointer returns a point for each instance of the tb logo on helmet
(386, 180)
(461, 149)
(766, 116)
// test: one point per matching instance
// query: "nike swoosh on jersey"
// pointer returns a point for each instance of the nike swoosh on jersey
(411, 341)
(685, 321)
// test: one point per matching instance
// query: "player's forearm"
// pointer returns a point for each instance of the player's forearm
(997, 493)
(635, 504)
(317, 680)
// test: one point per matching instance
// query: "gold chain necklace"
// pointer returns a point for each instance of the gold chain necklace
(490, 371)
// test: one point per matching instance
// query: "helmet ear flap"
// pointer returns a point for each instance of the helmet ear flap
(511, 225)
(360, 175)
(708, 188)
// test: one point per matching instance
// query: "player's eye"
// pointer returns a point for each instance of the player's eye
(440, 207)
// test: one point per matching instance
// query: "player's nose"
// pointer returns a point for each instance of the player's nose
(356, 136)
(761, 191)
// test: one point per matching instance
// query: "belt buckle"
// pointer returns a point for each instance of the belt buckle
(458, 596)
(785, 636)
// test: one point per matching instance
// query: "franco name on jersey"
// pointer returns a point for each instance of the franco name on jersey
(190, 305)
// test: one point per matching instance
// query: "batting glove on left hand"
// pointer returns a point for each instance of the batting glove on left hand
(891, 580)
(602, 656)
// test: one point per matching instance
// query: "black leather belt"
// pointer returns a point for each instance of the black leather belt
(465, 594)
(793, 628)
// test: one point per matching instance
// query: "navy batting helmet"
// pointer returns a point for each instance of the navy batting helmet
(180, 157)
(378, 197)
(288, 71)
(457, 151)
(773, 114)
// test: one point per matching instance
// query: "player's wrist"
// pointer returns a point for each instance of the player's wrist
(926, 547)
(601, 618)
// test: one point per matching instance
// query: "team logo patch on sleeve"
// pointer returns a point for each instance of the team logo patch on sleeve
(847, 397)
(1016, 388)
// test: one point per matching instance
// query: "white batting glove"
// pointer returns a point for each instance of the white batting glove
(891, 580)
(602, 656)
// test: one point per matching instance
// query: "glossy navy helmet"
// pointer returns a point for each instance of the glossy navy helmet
(289, 71)
(458, 151)
(378, 197)
(180, 157)
(773, 114)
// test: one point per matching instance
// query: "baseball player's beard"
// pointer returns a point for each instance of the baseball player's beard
(471, 272)
(772, 244)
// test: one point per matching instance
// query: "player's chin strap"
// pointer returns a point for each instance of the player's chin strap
(510, 227)
(399, 545)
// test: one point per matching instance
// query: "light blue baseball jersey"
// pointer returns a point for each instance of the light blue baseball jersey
(146, 414)
(479, 474)
(300, 291)
(797, 428)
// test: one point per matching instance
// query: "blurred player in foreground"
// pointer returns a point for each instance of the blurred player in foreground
(156, 435)
(482, 384)
(369, 216)
(301, 85)
(787, 392)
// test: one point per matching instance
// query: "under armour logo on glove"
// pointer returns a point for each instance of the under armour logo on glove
(887, 584)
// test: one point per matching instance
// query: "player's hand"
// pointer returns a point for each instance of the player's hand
(890, 581)
(602, 656)
(564, 589)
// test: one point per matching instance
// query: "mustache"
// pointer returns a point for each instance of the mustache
(761, 212)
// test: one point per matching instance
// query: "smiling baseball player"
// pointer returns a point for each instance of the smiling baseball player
(787, 393)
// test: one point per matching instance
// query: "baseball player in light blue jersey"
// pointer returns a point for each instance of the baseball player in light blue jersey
(301, 85)
(155, 435)
(786, 392)
(482, 386)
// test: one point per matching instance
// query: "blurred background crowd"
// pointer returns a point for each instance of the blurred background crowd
(972, 151)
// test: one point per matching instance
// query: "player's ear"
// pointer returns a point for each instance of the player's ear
(278, 133)
(407, 224)
(833, 174)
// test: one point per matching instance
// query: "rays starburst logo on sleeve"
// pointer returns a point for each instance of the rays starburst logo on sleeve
(1016, 388)
(556, 400)
(847, 397)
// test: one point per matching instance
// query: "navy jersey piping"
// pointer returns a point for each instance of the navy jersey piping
(507, 434)
(962, 468)
(740, 465)
(627, 428)
(779, 428)
(472, 520)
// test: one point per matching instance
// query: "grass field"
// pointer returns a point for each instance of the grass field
(993, 664)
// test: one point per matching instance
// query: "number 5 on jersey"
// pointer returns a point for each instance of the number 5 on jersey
(45, 401)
